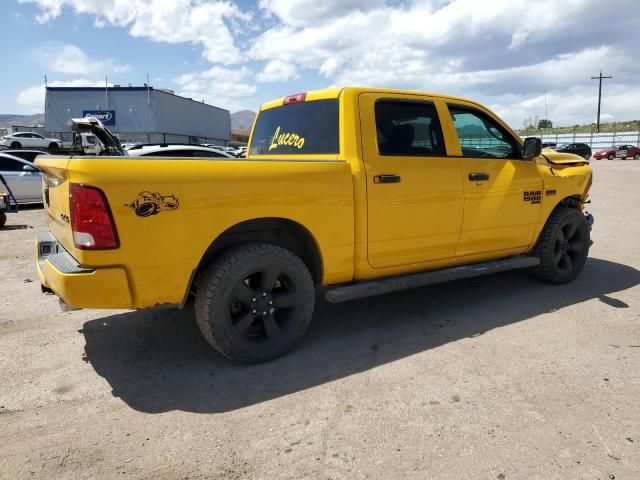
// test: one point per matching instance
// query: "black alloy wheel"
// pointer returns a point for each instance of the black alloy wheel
(261, 304)
(563, 246)
(255, 302)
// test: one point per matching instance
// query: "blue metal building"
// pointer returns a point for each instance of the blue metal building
(138, 114)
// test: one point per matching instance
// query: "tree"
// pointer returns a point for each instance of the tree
(545, 123)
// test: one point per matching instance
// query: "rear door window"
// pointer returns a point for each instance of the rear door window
(408, 129)
(299, 128)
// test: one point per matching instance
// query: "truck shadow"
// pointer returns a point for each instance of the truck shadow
(156, 360)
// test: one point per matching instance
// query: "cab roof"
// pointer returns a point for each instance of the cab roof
(329, 93)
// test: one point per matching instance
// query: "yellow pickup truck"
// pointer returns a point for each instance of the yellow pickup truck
(359, 191)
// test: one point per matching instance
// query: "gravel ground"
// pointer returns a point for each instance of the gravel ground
(494, 378)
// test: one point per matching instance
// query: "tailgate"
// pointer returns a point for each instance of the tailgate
(55, 197)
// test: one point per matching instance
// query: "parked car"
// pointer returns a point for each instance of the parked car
(23, 178)
(581, 149)
(230, 150)
(618, 151)
(395, 200)
(176, 151)
(29, 155)
(128, 145)
(30, 140)
(548, 144)
(7, 202)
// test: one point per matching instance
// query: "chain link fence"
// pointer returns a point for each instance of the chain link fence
(592, 138)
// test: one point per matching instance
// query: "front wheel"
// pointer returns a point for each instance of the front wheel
(636, 156)
(3, 219)
(53, 146)
(255, 303)
(587, 156)
(610, 157)
(563, 246)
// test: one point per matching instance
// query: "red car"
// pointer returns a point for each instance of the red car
(618, 151)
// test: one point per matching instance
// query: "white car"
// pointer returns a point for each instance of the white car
(194, 151)
(23, 177)
(221, 148)
(30, 140)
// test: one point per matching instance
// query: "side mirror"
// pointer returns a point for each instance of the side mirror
(532, 148)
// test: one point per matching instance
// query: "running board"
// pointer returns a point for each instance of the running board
(394, 284)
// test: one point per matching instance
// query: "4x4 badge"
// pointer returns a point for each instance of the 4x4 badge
(152, 203)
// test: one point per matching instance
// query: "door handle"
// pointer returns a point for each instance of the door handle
(386, 178)
(478, 177)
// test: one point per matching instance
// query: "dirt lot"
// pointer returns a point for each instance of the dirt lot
(493, 378)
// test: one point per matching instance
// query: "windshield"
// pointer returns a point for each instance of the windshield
(299, 128)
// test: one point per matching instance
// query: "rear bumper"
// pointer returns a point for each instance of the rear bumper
(78, 286)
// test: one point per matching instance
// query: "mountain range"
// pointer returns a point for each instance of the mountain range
(8, 120)
(242, 119)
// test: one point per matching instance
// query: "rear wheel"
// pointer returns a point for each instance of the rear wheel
(3, 219)
(16, 145)
(563, 246)
(255, 303)
(587, 156)
(610, 157)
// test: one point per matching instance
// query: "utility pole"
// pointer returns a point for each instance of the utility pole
(599, 77)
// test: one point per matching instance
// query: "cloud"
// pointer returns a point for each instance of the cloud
(303, 13)
(176, 21)
(220, 86)
(34, 96)
(278, 71)
(506, 55)
(70, 59)
(460, 47)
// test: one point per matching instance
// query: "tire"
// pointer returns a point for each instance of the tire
(636, 156)
(563, 246)
(587, 156)
(54, 146)
(232, 303)
(610, 157)
(146, 209)
(3, 219)
(16, 145)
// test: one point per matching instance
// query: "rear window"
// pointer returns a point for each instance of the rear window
(299, 128)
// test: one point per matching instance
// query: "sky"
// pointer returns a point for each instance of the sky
(520, 58)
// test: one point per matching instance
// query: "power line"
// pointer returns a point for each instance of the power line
(599, 77)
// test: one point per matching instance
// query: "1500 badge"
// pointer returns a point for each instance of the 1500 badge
(533, 197)
(152, 203)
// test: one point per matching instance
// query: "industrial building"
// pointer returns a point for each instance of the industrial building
(137, 114)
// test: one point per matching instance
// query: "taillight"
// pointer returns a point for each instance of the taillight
(91, 220)
(298, 97)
